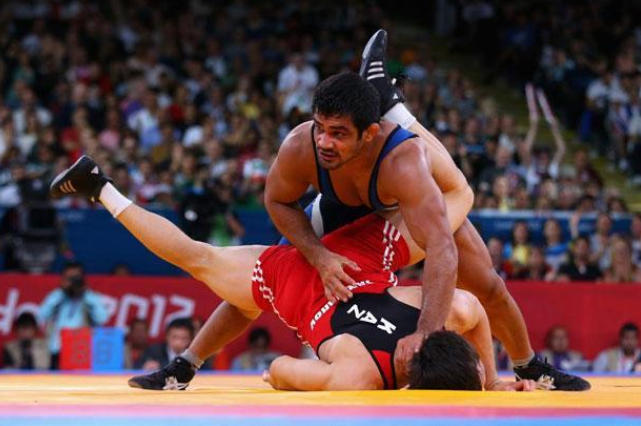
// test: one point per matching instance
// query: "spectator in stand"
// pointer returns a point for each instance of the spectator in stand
(27, 351)
(622, 358)
(582, 172)
(622, 269)
(536, 269)
(136, 342)
(557, 350)
(579, 267)
(258, 357)
(635, 230)
(555, 247)
(501, 265)
(178, 335)
(121, 270)
(538, 165)
(518, 250)
(296, 84)
(597, 98)
(73, 305)
(600, 242)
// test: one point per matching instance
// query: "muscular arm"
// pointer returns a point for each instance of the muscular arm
(469, 319)
(423, 209)
(287, 181)
(284, 187)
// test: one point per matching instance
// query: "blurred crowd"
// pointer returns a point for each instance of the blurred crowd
(601, 257)
(188, 112)
(184, 104)
(586, 55)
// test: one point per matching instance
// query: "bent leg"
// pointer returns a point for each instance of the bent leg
(226, 270)
(224, 325)
(477, 275)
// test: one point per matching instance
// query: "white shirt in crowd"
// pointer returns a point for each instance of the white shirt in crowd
(297, 83)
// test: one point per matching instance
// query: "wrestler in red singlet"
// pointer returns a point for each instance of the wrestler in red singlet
(286, 284)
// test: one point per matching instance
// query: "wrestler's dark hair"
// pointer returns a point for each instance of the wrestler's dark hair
(447, 362)
(348, 94)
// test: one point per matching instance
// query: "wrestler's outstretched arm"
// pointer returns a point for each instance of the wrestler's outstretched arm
(287, 373)
(468, 318)
(346, 371)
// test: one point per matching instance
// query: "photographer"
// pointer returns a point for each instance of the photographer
(72, 305)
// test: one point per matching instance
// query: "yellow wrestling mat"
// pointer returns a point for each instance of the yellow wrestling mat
(68, 399)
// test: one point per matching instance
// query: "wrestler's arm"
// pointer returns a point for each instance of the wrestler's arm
(468, 318)
(286, 182)
(287, 373)
(424, 212)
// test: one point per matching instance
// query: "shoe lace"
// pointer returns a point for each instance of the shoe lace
(171, 383)
(550, 373)
(169, 375)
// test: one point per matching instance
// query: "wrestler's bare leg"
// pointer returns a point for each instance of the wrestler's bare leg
(477, 275)
(225, 270)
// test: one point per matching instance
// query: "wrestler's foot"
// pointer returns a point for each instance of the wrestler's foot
(374, 70)
(175, 376)
(548, 377)
(83, 179)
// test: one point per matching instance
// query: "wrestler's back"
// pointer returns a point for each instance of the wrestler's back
(448, 177)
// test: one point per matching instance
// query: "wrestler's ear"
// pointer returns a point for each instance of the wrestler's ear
(371, 132)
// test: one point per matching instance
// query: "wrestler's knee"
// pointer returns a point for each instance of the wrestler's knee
(199, 260)
(490, 289)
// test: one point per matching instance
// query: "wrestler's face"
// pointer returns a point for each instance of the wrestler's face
(338, 141)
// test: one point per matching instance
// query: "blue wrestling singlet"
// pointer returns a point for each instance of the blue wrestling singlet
(327, 212)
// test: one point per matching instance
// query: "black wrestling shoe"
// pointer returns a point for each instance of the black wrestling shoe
(548, 377)
(175, 376)
(374, 70)
(84, 179)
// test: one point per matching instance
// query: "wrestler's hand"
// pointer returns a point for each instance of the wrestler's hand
(330, 266)
(406, 348)
(520, 386)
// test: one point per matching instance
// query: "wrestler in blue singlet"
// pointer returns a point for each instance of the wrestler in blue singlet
(327, 212)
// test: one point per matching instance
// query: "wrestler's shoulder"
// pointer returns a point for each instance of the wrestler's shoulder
(411, 151)
(299, 137)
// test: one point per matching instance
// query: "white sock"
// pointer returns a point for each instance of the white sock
(113, 200)
(192, 358)
(522, 362)
(400, 115)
